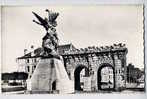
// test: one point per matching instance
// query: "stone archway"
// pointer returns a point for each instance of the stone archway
(78, 77)
(106, 77)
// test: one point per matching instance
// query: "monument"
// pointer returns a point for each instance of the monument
(50, 75)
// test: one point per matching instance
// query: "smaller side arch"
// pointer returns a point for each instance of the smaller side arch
(77, 77)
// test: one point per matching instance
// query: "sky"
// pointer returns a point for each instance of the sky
(81, 25)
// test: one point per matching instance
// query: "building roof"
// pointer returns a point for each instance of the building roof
(38, 51)
(66, 46)
(74, 51)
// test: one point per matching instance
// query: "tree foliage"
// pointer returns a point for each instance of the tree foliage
(14, 76)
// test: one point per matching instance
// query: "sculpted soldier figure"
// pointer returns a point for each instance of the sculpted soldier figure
(50, 40)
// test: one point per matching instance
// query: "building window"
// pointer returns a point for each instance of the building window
(27, 60)
(34, 66)
(119, 71)
(28, 68)
(35, 60)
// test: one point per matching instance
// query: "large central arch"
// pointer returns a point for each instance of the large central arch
(77, 78)
(106, 77)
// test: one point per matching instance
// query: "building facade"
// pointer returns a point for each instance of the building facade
(91, 69)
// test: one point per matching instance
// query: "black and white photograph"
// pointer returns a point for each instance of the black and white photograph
(73, 49)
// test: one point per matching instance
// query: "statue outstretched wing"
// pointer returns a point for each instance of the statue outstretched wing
(47, 23)
(41, 20)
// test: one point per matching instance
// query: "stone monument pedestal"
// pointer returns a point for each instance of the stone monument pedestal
(50, 76)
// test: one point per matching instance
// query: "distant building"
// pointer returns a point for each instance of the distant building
(65, 48)
(91, 69)
(28, 62)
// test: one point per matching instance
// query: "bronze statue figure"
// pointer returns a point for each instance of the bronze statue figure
(50, 40)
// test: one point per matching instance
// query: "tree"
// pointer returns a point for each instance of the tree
(133, 74)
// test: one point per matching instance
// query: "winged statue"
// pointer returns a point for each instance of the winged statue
(49, 22)
(50, 40)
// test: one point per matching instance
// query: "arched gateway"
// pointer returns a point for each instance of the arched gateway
(79, 74)
(106, 77)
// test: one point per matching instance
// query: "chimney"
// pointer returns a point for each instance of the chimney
(32, 50)
(25, 51)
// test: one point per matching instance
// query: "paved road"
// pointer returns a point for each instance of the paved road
(80, 92)
(15, 92)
